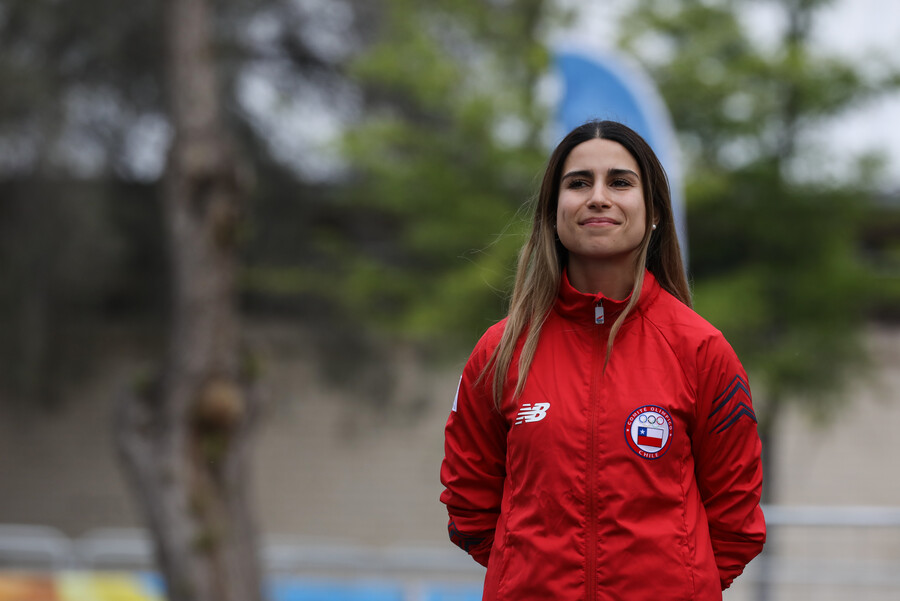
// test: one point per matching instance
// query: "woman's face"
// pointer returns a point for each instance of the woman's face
(600, 214)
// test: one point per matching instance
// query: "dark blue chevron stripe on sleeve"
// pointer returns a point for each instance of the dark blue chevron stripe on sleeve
(461, 540)
(738, 404)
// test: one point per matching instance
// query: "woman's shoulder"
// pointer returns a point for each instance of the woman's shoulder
(678, 320)
(697, 343)
(490, 339)
(488, 342)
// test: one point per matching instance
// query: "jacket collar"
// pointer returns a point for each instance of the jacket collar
(581, 307)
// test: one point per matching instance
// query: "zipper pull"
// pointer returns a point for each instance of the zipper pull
(598, 313)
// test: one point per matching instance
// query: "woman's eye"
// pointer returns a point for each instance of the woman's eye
(620, 183)
(577, 183)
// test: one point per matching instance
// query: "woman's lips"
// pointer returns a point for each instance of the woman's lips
(596, 221)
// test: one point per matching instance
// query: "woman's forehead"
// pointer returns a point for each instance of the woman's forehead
(599, 154)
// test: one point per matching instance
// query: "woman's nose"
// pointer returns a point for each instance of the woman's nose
(598, 199)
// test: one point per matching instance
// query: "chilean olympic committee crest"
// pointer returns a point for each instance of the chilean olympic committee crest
(649, 430)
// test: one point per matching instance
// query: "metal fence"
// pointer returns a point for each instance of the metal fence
(825, 554)
(814, 553)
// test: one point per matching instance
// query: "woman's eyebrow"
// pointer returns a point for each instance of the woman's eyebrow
(579, 173)
(618, 171)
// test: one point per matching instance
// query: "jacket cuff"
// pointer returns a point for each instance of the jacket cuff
(482, 553)
(479, 547)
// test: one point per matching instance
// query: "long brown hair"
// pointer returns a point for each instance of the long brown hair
(543, 257)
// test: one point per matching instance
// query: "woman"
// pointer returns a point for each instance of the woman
(602, 443)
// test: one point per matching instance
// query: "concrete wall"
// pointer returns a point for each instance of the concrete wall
(329, 466)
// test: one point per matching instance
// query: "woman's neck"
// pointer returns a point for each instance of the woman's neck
(614, 280)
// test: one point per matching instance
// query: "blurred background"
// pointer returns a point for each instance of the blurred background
(335, 191)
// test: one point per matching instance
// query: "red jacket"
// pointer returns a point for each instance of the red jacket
(640, 482)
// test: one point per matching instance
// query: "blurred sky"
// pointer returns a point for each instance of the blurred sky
(864, 30)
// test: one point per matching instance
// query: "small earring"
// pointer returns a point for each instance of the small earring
(653, 227)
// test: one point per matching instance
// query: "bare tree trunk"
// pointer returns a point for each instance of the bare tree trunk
(185, 438)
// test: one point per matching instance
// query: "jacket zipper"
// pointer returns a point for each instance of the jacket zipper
(591, 559)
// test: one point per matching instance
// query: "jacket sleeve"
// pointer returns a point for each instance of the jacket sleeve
(474, 466)
(726, 448)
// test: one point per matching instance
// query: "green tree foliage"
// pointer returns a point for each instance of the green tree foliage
(79, 78)
(448, 149)
(774, 224)
(418, 234)
(83, 133)
(80, 75)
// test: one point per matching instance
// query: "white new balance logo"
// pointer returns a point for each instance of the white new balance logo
(529, 413)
